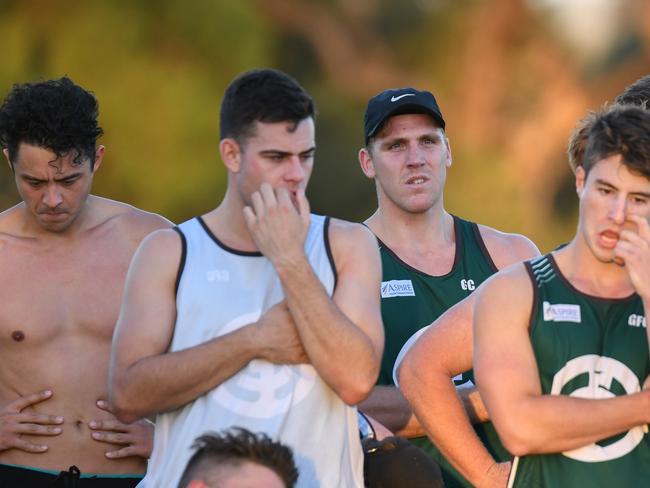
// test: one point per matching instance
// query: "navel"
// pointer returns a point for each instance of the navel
(18, 335)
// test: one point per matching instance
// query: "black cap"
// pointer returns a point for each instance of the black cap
(399, 101)
(391, 461)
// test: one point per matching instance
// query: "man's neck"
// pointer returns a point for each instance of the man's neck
(227, 223)
(591, 276)
(429, 230)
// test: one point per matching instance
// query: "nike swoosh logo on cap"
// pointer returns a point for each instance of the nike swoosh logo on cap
(394, 99)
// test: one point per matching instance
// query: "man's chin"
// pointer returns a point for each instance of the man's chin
(55, 225)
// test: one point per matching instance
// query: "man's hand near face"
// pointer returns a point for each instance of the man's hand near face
(278, 226)
(633, 248)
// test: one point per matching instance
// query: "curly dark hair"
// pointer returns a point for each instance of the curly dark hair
(56, 114)
(234, 447)
(264, 95)
(623, 130)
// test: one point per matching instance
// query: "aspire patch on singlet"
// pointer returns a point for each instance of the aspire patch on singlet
(397, 288)
(561, 312)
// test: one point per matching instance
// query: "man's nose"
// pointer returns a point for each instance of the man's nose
(52, 197)
(296, 171)
(618, 210)
(414, 156)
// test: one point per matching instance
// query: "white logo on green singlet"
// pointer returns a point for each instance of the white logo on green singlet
(602, 372)
(467, 285)
(561, 312)
(397, 288)
(635, 320)
(262, 389)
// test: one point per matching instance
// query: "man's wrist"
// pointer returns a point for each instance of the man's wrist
(254, 343)
(289, 265)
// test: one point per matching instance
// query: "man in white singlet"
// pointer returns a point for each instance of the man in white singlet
(256, 314)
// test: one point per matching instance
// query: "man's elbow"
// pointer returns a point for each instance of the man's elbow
(516, 445)
(411, 377)
(123, 407)
(519, 439)
(404, 375)
(357, 390)
(354, 395)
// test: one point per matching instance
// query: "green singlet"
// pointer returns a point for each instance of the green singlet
(411, 300)
(587, 347)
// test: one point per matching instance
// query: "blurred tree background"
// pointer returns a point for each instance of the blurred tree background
(512, 78)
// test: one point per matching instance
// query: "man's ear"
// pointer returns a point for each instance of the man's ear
(448, 161)
(5, 151)
(581, 176)
(365, 161)
(230, 151)
(99, 157)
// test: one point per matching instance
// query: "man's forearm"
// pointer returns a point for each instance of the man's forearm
(388, 406)
(443, 417)
(472, 403)
(340, 351)
(164, 382)
(540, 424)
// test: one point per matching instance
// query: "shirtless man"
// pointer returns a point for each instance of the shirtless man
(258, 313)
(431, 259)
(561, 342)
(64, 256)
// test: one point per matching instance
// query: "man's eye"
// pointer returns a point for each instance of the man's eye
(69, 182)
(34, 184)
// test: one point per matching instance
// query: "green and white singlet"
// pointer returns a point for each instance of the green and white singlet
(411, 300)
(587, 347)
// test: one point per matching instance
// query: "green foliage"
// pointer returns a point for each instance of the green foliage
(159, 69)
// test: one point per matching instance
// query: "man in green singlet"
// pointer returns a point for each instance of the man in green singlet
(431, 259)
(445, 349)
(561, 342)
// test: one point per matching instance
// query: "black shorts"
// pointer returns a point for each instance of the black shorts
(12, 476)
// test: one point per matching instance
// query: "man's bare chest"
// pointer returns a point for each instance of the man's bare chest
(49, 295)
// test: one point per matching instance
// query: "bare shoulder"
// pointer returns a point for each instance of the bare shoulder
(157, 258)
(132, 221)
(352, 243)
(162, 244)
(506, 249)
(509, 288)
(10, 231)
(348, 236)
(10, 219)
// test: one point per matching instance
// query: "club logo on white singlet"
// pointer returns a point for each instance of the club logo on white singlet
(602, 371)
(262, 389)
